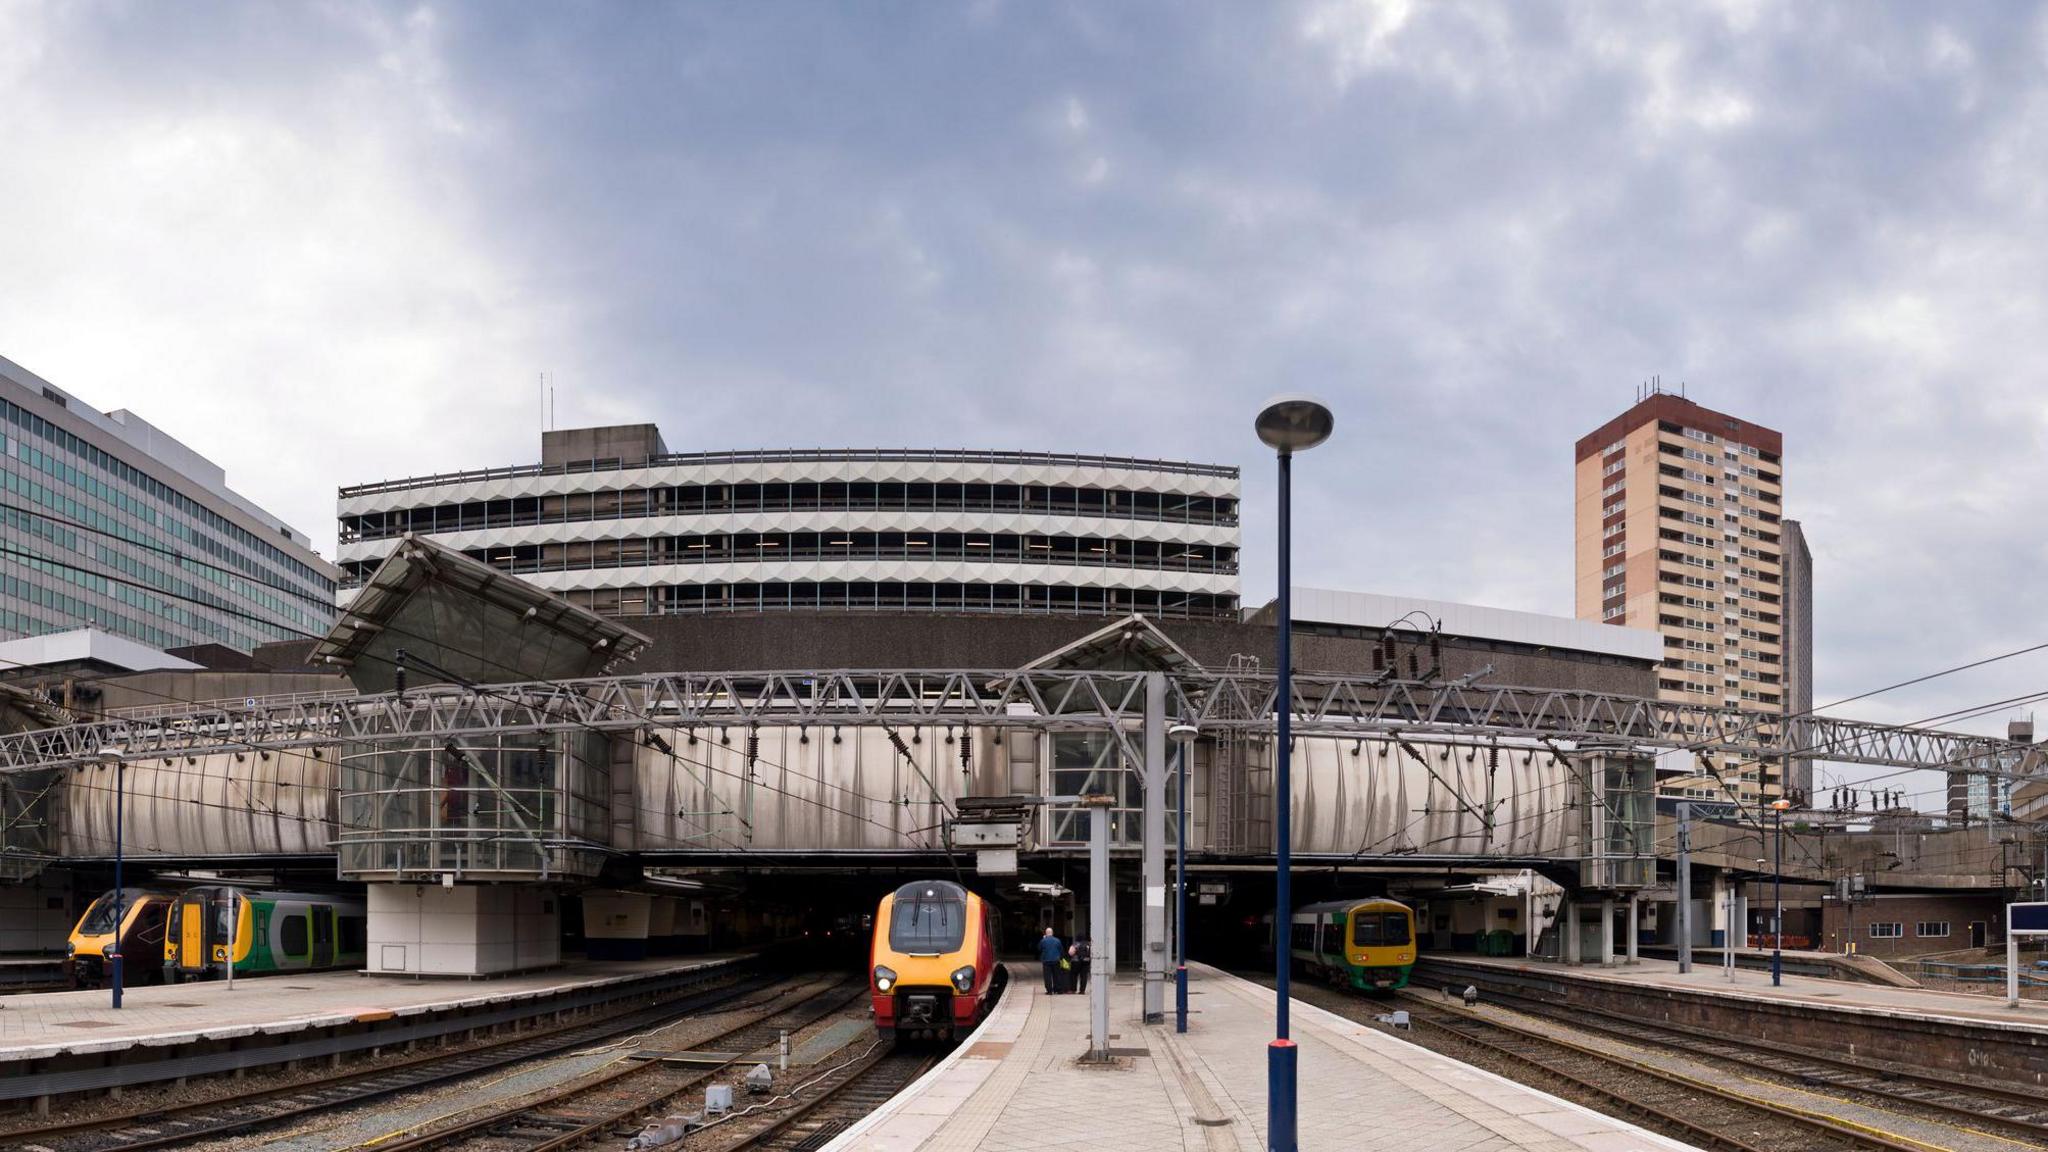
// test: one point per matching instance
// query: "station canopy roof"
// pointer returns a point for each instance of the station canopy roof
(1132, 644)
(459, 620)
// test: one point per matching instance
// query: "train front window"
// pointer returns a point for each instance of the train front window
(928, 919)
(99, 919)
(1395, 930)
(1365, 930)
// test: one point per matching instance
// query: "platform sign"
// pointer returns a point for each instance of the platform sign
(2021, 920)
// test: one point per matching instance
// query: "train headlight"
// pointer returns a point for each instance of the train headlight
(963, 978)
(885, 978)
(71, 948)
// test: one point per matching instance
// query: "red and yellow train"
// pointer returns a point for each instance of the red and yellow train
(932, 966)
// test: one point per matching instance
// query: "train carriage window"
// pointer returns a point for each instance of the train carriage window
(291, 934)
(1333, 939)
(1395, 930)
(1365, 930)
(928, 918)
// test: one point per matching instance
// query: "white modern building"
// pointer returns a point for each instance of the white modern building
(614, 522)
(108, 522)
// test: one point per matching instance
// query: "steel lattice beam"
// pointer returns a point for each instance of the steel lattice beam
(1046, 699)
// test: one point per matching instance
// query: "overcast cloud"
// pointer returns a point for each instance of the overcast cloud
(339, 242)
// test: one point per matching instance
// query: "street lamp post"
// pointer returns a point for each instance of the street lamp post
(106, 757)
(1287, 424)
(1778, 807)
(1182, 735)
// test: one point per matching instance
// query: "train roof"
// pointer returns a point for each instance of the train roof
(1347, 905)
(932, 890)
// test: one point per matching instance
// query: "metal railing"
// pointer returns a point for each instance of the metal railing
(798, 455)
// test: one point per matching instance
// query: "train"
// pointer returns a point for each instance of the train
(143, 912)
(932, 963)
(1368, 945)
(261, 932)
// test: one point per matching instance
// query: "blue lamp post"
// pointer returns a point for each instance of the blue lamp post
(1287, 424)
(1182, 735)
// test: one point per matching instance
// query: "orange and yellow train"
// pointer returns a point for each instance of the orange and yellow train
(932, 965)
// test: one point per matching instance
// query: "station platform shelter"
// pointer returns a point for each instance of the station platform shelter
(1019, 1085)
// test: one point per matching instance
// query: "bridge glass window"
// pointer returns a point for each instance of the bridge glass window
(928, 919)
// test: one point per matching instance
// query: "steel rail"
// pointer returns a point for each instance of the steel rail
(361, 1085)
(1970, 1099)
(886, 1070)
(1798, 1118)
(559, 1133)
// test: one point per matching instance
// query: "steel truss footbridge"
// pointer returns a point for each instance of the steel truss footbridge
(1056, 699)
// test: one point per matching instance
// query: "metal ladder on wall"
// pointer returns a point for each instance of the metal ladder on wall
(1235, 811)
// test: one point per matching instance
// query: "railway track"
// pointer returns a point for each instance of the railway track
(611, 1103)
(1701, 1113)
(2021, 1111)
(162, 1127)
(862, 1088)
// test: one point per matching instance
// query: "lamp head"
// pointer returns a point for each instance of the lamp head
(1780, 804)
(1294, 423)
(1183, 734)
(108, 755)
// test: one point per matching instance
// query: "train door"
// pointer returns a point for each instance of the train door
(147, 942)
(192, 920)
(323, 936)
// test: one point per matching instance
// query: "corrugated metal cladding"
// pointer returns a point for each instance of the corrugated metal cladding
(875, 530)
(541, 806)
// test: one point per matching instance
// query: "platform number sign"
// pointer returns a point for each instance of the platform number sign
(2021, 921)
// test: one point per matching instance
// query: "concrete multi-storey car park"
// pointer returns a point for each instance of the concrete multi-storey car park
(614, 522)
(106, 521)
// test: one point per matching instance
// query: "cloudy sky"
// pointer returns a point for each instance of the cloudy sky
(334, 242)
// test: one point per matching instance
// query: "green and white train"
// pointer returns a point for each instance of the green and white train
(261, 932)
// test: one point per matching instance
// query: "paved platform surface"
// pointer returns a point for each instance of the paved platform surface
(1017, 1086)
(54, 1023)
(1835, 995)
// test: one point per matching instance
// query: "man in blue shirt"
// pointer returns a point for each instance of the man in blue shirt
(1049, 952)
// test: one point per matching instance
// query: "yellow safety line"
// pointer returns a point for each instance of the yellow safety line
(1890, 1112)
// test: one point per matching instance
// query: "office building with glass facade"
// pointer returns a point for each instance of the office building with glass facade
(108, 522)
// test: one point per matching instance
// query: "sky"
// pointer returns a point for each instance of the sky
(327, 243)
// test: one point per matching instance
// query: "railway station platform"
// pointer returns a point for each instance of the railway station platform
(1017, 1084)
(54, 1043)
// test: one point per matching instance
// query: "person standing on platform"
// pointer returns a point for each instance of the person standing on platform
(1082, 953)
(1049, 953)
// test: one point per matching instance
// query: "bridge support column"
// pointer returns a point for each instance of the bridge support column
(1607, 933)
(616, 924)
(1568, 928)
(1635, 925)
(466, 930)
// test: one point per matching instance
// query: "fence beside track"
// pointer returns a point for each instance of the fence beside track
(41, 1077)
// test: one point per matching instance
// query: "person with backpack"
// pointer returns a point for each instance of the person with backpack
(1050, 954)
(1081, 953)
